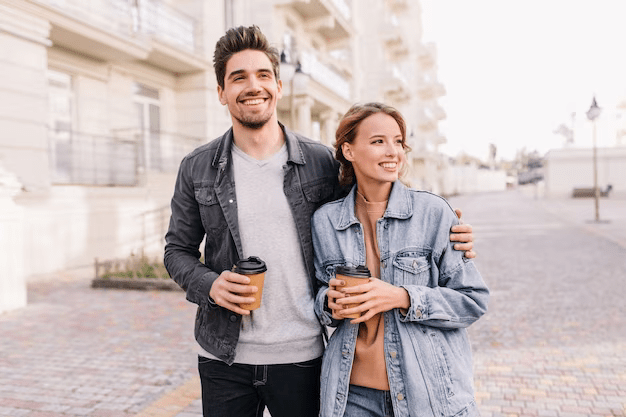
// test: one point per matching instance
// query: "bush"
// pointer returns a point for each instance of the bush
(141, 267)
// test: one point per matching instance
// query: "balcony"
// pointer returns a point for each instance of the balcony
(325, 75)
(394, 39)
(430, 90)
(427, 58)
(118, 31)
(396, 87)
(330, 18)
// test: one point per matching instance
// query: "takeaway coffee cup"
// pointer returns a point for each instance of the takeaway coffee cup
(254, 268)
(352, 276)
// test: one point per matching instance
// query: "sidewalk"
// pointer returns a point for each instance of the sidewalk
(78, 351)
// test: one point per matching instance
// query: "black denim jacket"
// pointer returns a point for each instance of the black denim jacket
(205, 204)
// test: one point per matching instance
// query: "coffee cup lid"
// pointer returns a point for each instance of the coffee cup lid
(351, 271)
(249, 266)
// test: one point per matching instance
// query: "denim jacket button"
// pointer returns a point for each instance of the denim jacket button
(233, 318)
(393, 355)
(400, 397)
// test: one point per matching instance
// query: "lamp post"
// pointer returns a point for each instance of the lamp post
(288, 73)
(593, 112)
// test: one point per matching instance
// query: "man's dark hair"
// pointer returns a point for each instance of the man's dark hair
(239, 39)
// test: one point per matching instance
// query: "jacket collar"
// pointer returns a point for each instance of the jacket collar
(294, 149)
(399, 206)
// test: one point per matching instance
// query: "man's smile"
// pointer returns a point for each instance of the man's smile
(253, 101)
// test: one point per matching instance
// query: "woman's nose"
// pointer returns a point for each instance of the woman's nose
(391, 149)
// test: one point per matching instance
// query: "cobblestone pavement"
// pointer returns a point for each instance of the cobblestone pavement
(552, 344)
(554, 340)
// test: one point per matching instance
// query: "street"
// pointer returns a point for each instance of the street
(553, 342)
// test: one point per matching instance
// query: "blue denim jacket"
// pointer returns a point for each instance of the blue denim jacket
(427, 351)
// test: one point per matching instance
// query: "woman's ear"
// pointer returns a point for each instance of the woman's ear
(346, 149)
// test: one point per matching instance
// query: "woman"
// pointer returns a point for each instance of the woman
(408, 354)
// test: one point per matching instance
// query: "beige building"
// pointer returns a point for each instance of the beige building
(396, 67)
(100, 99)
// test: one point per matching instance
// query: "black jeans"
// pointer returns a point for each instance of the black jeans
(287, 390)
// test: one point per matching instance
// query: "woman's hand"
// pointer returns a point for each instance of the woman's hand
(376, 296)
(333, 295)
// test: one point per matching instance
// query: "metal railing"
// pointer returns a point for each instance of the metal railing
(86, 159)
(166, 23)
(79, 158)
(162, 151)
(113, 15)
(129, 18)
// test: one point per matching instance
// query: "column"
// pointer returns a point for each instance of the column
(12, 277)
(330, 121)
(23, 93)
(303, 115)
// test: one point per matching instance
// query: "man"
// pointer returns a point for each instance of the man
(252, 192)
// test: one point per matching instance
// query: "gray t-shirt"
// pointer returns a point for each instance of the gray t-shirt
(284, 329)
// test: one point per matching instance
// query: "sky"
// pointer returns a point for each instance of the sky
(515, 70)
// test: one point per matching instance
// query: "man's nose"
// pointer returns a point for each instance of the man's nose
(253, 84)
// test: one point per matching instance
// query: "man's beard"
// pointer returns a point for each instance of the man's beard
(256, 121)
(253, 124)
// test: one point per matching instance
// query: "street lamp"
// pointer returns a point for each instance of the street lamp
(288, 73)
(593, 112)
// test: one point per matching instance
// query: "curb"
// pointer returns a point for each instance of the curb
(145, 284)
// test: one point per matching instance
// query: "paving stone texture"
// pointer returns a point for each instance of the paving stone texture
(552, 344)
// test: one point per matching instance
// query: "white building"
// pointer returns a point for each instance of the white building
(566, 169)
(99, 101)
(402, 71)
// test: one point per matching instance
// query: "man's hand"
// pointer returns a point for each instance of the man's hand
(463, 233)
(229, 290)
(376, 296)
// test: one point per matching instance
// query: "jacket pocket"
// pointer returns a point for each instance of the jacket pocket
(211, 214)
(319, 191)
(411, 268)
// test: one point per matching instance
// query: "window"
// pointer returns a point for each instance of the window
(148, 113)
(60, 116)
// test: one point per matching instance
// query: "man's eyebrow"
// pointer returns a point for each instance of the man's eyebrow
(236, 72)
(242, 71)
